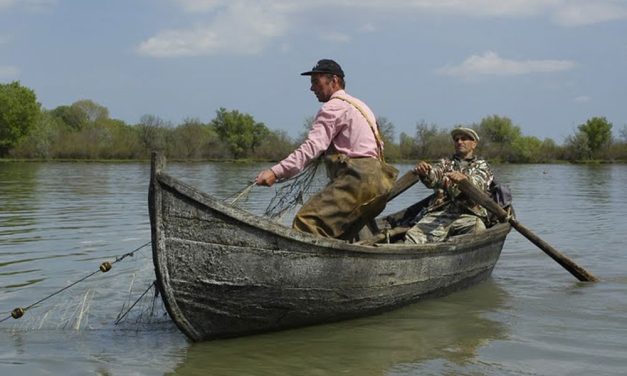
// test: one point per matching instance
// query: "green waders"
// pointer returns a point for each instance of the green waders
(356, 194)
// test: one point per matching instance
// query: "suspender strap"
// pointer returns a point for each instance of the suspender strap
(373, 127)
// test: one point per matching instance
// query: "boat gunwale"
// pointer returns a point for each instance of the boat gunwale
(456, 244)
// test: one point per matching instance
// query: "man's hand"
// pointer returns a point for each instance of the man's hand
(266, 177)
(422, 168)
(456, 176)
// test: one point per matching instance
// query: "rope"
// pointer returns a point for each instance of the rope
(104, 267)
(120, 258)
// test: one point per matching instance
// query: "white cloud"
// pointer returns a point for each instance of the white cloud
(6, 3)
(200, 5)
(336, 37)
(566, 12)
(27, 4)
(475, 7)
(8, 72)
(469, 7)
(583, 13)
(249, 26)
(368, 28)
(491, 64)
(240, 30)
(582, 99)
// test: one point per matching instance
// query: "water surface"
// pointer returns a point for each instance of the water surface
(60, 221)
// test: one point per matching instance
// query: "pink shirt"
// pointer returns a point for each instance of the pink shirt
(339, 125)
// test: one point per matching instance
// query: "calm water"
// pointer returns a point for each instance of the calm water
(59, 221)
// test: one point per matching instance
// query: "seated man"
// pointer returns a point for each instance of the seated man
(449, 212)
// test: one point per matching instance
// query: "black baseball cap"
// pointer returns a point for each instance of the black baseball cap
(325, 66)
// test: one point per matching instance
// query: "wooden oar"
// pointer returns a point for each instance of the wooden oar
(484, 200)
(386, 234)
(403, 183)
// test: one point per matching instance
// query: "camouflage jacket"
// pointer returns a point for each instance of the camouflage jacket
(447, 195)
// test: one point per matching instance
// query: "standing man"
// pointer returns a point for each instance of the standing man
(449, 212)
(345, 131)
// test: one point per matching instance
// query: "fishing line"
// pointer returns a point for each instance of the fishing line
(104, 267)
(121, 317)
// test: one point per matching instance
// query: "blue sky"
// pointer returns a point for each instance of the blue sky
(549, 65)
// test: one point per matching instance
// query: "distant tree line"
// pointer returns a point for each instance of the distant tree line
(84, 130)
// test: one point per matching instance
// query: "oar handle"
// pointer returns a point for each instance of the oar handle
(403, 183)
(484, 200)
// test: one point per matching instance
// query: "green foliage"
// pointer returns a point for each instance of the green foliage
(623, 134)
(432, 142)
(19, 112)
(276, 146)
(499, 130)
(497, 136)
(239, 131)
(549, 151)
(122, 140)
(81, 114)
(92, 111)
(598, 132)
(578, 147)
(152, 133)
(84, 130)
(194, 140)
(526, 149)
(73, 117)
(386, 131)
(307, 124)
(618, 151)
(42, 138)
(407, 146)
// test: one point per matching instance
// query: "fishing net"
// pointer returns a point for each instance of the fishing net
(147, 309)
(92, 302)
(295, 191)
(290, 193)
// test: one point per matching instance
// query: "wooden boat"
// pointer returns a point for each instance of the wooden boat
(224, 272)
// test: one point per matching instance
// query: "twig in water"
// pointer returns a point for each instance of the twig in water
(83, 309)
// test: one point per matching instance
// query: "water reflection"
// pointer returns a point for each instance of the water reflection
(90, 352)
(18, 197)
(452, 329)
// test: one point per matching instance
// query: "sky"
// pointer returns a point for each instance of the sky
(548, 65)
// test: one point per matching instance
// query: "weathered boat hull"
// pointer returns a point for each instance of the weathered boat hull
(224, 272)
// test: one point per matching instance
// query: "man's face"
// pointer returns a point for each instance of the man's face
(323, 86)
(464, 145)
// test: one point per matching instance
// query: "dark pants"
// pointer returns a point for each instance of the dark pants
(356, 194)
